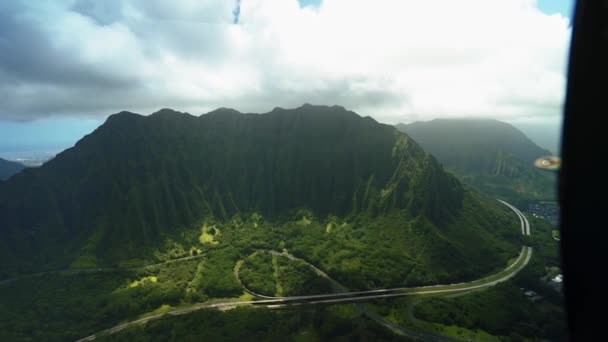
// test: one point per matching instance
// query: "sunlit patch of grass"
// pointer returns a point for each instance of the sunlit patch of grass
(208, 234)
(162, 309)
(195, 251)
(142, 281)
(206, 238)
(246, 296)
(304, 221)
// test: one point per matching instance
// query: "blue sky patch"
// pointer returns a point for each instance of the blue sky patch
(564, 7)
(311, 3)
(48, 134)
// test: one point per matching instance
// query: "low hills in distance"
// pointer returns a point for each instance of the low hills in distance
(491, 155)
(340, 190)
(9, 168)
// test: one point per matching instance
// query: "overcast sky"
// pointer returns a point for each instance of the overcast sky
(395, 60)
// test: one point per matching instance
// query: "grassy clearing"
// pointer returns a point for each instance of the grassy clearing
(209, 234)
(142, 281)
(246, 296)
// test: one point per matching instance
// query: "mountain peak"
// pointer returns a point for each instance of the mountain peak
(122, 115)
(167, 112)
(311, 106)
(223, 111)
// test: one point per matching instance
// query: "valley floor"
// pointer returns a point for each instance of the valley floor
(395, 308)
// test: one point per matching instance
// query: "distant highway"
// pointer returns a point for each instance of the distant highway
(359, 296)
(525, 225)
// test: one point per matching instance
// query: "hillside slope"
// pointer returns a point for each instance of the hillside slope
(491, 155)
(9, 168)
(138, 181)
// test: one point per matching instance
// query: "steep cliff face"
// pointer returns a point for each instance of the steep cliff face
(137, 178)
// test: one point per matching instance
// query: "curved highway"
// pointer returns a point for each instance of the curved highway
(359, 296)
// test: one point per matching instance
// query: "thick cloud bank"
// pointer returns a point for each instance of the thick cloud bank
(396, 60)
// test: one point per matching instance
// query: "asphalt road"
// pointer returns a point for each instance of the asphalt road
(359, 296)
(525, 225)
(338, 298)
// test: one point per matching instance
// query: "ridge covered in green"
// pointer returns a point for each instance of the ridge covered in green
(121, 192)
(491, 155)
(358, 199)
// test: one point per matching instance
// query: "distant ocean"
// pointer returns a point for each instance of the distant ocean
(30, 158)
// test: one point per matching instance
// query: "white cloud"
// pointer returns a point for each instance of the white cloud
(396, 60)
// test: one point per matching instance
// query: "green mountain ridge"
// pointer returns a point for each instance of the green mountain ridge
(137, 181)
(491, 155)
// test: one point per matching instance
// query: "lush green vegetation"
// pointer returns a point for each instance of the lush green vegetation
(333, 323)
(258, 274)
(504, 310)
(359, 200)
(214, 276)
(136, 181)
(490, 155)
(58, 307)
(277, 275)
(165, 189)
(386, 251)
(297, 278)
